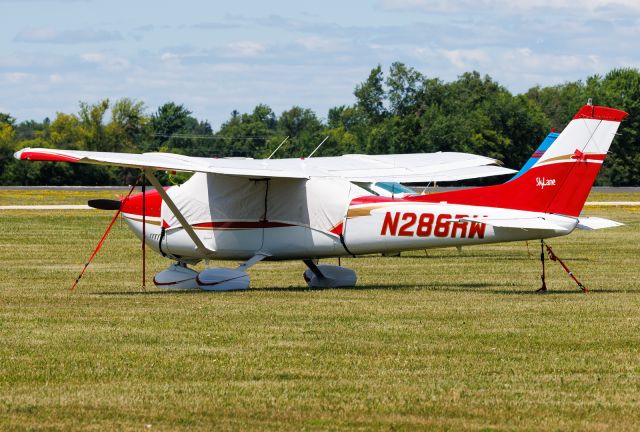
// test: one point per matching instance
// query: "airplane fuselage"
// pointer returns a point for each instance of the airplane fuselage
(365, 227)
(251, 210)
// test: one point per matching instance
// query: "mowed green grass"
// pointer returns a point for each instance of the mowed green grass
(443, 340)
(596, 196)
(56, 196)
(46, 197)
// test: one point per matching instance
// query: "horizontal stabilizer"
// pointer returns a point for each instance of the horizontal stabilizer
(592, 223)
(532, 223)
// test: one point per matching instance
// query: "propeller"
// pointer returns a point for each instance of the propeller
(105, 204)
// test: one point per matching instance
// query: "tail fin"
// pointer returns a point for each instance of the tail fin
(561, 178)
(546, 143)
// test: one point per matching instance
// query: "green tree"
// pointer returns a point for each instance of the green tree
(404, 113)
(370, 95)
(304, 130)
(92, 118)
(174, 129)
(248, 135)
(560, 102)
(128, 127)
(620, 88)
(168, 121)
(7, 143)
(67, 131)
(403, 85)
(6, 119)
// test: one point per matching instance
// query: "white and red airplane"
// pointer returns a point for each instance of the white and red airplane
(285, 209)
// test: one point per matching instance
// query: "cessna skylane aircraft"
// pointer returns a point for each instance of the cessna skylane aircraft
(307, 209)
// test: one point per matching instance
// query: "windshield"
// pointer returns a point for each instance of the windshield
(395, 188)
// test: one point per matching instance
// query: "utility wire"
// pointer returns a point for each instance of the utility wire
(211, 137)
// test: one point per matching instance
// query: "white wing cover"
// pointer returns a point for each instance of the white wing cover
(416, 167)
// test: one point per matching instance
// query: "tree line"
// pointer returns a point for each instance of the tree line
(402, 111)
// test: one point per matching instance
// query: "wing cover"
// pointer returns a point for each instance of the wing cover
(417, 167)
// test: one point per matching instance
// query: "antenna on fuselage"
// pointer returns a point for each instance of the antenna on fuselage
(319, 145)
(278, 148)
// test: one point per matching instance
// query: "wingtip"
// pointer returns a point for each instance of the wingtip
(18, 154)
(42, 154)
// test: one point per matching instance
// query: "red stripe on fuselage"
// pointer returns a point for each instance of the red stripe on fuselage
(241, 225)
(338, 229)
(373, 199)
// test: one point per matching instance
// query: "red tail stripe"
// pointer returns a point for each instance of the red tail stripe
(587, 157)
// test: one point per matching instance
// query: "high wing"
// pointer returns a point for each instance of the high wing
(408, 168)
(417, 167)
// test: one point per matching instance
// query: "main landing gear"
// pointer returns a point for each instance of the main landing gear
(328, 276)
(179, 276)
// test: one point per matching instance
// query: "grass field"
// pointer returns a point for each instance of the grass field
(29, 197)
(443, 340)
(45, 197)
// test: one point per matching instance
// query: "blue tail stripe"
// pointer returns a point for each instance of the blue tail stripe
(546, 143)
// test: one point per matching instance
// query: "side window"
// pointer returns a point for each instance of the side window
(395, 188)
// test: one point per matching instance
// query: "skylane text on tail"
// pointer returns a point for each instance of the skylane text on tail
(283, 209)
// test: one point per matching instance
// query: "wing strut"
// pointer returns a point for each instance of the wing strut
(172, 206)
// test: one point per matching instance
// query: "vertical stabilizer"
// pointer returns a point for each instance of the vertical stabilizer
(558, 179)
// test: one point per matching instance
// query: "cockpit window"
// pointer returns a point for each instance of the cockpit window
(395, 188)
(367, 187)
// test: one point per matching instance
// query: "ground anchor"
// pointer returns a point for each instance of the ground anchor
(554, 257)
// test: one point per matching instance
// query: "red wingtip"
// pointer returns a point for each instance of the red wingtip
(33, 155)
(600, 113)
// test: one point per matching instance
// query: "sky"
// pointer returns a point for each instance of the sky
(215, 57)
